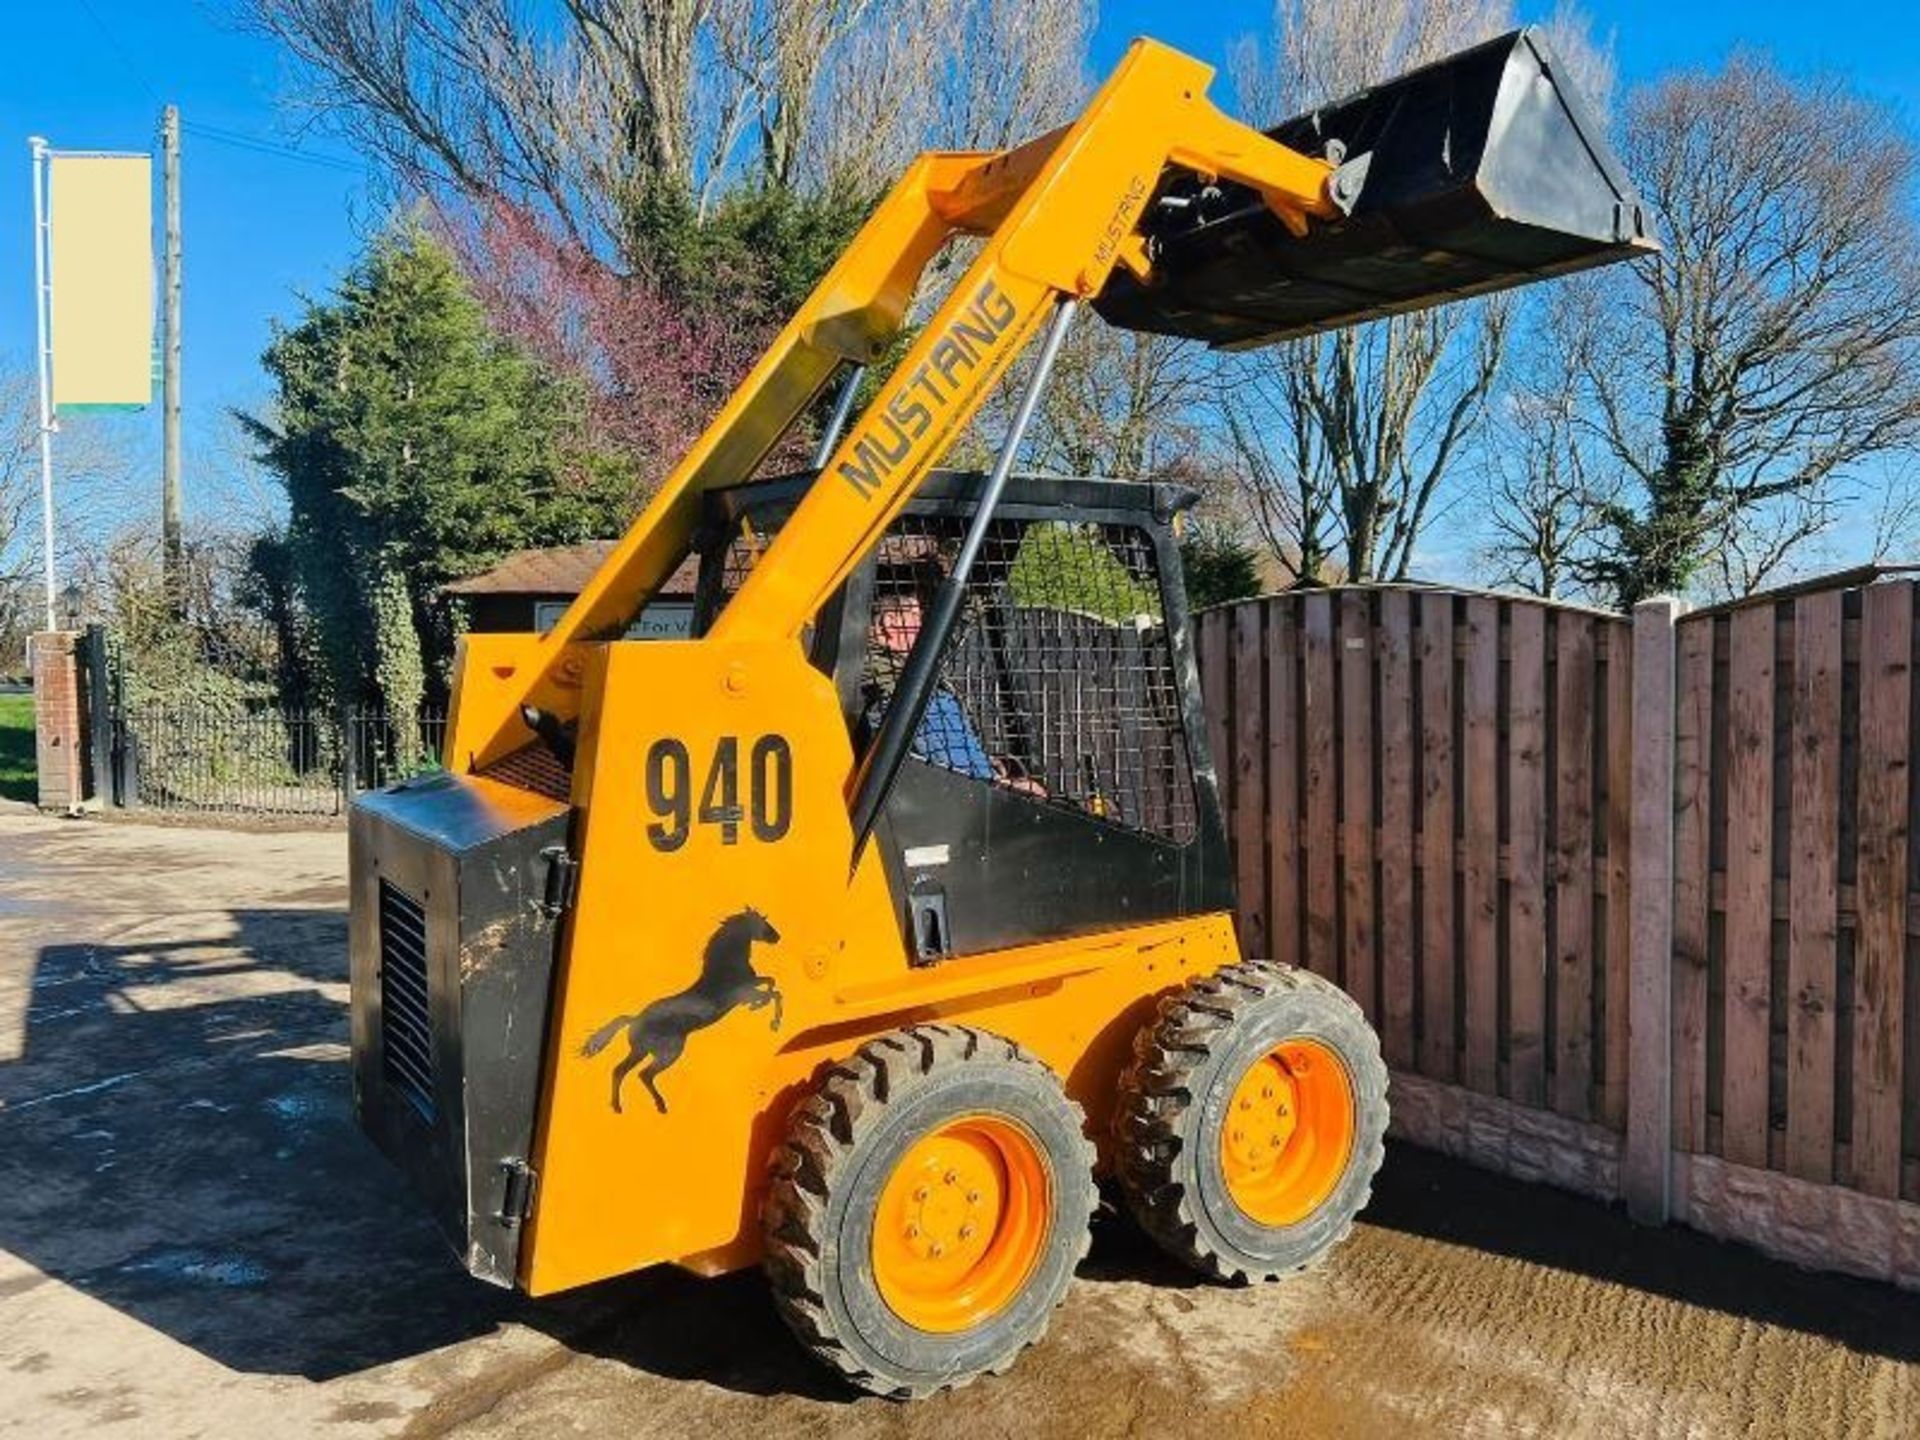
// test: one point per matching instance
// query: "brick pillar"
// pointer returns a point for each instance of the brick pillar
(57, 710)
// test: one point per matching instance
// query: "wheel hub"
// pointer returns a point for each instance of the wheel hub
(1288, 1132)
(961, 1223)
(954, 1202)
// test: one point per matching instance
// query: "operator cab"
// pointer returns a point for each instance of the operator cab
(1059, 781)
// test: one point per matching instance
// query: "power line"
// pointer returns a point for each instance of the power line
(120, 52)
(238, 139)
(241, 140)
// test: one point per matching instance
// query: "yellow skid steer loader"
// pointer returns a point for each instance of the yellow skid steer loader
(855, 935)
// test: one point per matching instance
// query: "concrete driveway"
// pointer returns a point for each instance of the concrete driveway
(195, 1241)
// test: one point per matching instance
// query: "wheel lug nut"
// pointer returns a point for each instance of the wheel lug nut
(1266, 1092)
(921, 1193)
(973, 1197)
(936, 1249)
(913, 1232)
(966, 1232)
(953, 1177)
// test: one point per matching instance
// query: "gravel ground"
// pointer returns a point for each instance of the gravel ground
(195, 1241)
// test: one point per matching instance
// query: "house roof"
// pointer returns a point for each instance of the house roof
(561, 570)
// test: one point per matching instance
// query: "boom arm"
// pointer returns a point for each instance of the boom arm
(1057, 215)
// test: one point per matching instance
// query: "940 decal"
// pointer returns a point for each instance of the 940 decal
(756, 792)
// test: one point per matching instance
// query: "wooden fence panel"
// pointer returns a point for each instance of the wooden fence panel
(1252, 815)
(1573, 868)
(1439, 927)
(1283, 780)
(1358, 953)
(1430, 794)
(1618, 828)
(1527, 855)
(1397, 805)
(1813, 929)
(1480, 732)
(1692, 812)
(1880, 945)
(1749, 888)
(1320, 836)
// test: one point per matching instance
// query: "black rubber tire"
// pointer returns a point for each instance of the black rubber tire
(1166, 1126)
(842, 1143)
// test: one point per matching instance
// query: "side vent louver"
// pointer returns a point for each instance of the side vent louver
(406, 1034)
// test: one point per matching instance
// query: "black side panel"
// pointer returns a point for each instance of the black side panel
(449, 882)
(1010, 870)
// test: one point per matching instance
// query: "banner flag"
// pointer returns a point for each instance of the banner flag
(100, 245)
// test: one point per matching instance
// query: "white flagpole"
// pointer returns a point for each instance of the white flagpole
(43, 297)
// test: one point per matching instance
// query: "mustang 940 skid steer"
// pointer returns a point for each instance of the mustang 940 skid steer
(854, 935)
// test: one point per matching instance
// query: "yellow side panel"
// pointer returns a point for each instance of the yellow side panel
(714, 901)
(100, 242)
(657, 917)
(491, 671)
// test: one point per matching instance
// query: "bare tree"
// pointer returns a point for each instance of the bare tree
(1121, 404)
(576, 124)
(97, 482)
(1739, 379)
(1770, 544)
(20, 600)
(1544, 510)
(1896, 515)
(1547, 482)
(19, 465)
(1345, 441)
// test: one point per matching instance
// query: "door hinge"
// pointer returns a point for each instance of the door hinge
(516, 1198)
(562, 881)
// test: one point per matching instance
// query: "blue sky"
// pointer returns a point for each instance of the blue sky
(262, 225)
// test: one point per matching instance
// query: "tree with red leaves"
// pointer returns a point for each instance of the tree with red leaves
(655, 367)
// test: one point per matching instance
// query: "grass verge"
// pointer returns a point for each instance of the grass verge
(18, 776)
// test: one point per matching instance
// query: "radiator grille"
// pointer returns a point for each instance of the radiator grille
(534, 767)
(406, 1034)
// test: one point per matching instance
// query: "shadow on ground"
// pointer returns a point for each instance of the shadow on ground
(1421, 1193)
(176, 1141)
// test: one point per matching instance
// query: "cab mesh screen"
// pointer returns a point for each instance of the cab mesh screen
(1057, 681)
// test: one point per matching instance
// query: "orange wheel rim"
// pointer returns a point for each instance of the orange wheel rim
(1287, 1134)
(961, 1223)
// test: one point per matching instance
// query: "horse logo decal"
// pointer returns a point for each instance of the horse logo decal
(727, 980)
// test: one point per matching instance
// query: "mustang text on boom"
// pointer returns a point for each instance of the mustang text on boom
(924, 394)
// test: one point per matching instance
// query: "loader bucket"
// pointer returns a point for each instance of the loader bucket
(1477, 172)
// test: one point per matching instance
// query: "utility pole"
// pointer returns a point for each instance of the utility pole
(170, 528)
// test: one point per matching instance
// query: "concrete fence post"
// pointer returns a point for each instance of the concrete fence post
(1646, 1177)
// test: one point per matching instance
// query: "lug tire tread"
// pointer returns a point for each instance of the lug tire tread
(1191, 1028)
(824, 1134)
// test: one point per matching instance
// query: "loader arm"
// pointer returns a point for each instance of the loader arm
(1056, 215)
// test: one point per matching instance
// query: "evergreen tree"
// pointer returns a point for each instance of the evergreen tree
(416, 447)
(1220, 565)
